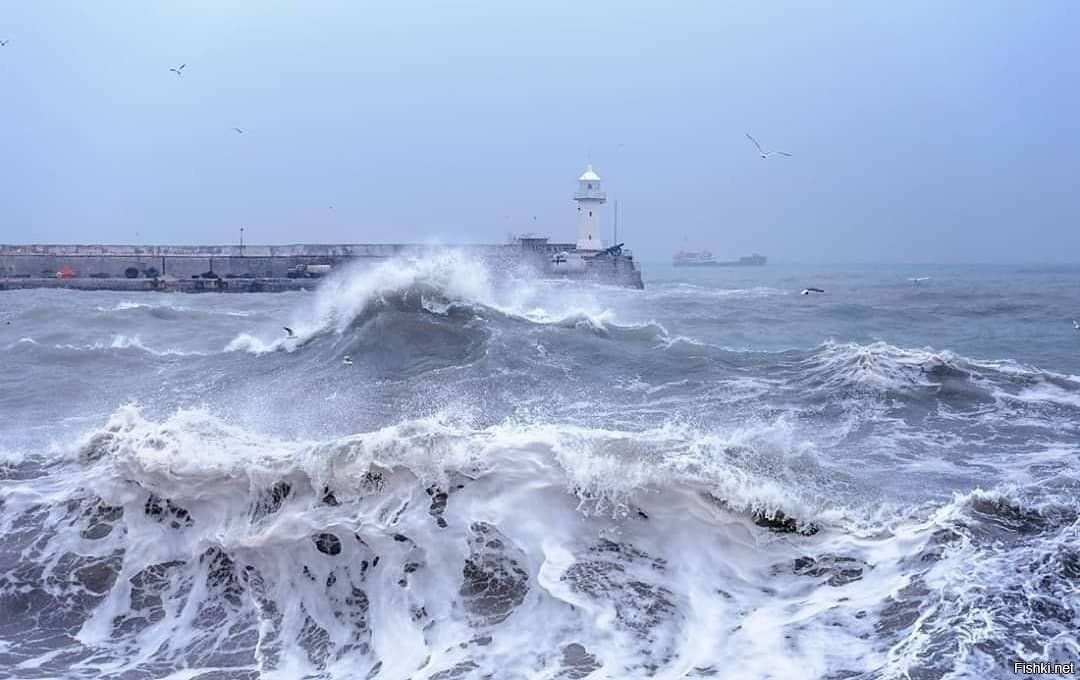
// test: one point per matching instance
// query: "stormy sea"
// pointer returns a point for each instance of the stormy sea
(447, 473)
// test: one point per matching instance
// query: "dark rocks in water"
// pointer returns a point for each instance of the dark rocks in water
(802, 563)
(149, 588)
(629, 552)
(278, 493)
(328, 544)
(841, 570)
(162, 509)
(328, 497)
(401, 538)
(99, 577)
(438, 505)
(100, 519)
(494, 583)
(358, 600)
(641, 607)
(221, 575)
(782, 523)
(271, 500)
(777, 520)
(373, 480)
(315, 641)
(577, 662)
(97, 531)
(462, 670)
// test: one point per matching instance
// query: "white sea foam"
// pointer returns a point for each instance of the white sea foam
(441, 282)
(127, 342)
(615, 536)
(697, 292)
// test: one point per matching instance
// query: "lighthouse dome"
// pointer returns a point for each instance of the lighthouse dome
(589, 175)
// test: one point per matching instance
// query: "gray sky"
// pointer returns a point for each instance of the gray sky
(922, 131)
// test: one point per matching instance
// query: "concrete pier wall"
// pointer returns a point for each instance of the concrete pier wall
(103, 263)
(23, 261)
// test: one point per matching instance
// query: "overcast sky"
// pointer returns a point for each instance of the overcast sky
(921, 131)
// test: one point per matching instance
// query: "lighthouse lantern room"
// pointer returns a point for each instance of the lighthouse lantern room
(589, 198)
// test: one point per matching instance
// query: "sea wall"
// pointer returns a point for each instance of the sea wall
(112, 261)
(252, 267)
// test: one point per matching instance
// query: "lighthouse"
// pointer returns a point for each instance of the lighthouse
(589, 198)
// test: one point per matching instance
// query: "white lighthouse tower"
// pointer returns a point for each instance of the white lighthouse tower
(589, 199)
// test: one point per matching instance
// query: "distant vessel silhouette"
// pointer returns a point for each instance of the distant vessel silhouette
(704, 258)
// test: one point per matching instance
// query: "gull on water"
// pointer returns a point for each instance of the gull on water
(919, 279)
(807, 291)
(179, 71)
(1076, 325)
(289, 331)
(763, 152)
(347, 360)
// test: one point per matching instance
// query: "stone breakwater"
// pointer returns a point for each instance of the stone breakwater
(258, 268)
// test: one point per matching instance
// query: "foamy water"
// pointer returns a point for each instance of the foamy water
(714, 477)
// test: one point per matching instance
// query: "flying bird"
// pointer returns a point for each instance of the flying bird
(807, 291)
(179, 71)
(238, 131)
(3, 43)
(763, 152)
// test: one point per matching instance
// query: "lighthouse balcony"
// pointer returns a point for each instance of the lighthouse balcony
(590, 196)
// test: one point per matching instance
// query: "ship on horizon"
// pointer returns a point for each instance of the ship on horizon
(704, 258)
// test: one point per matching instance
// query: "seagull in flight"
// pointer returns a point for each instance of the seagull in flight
(238, 131)
(179, 71)
(763, 152)
(807, 291)
(919, 279)
(3, 43)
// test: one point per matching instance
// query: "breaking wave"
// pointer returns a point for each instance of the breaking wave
(428, 549)
(519, 478)
(447, 284)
